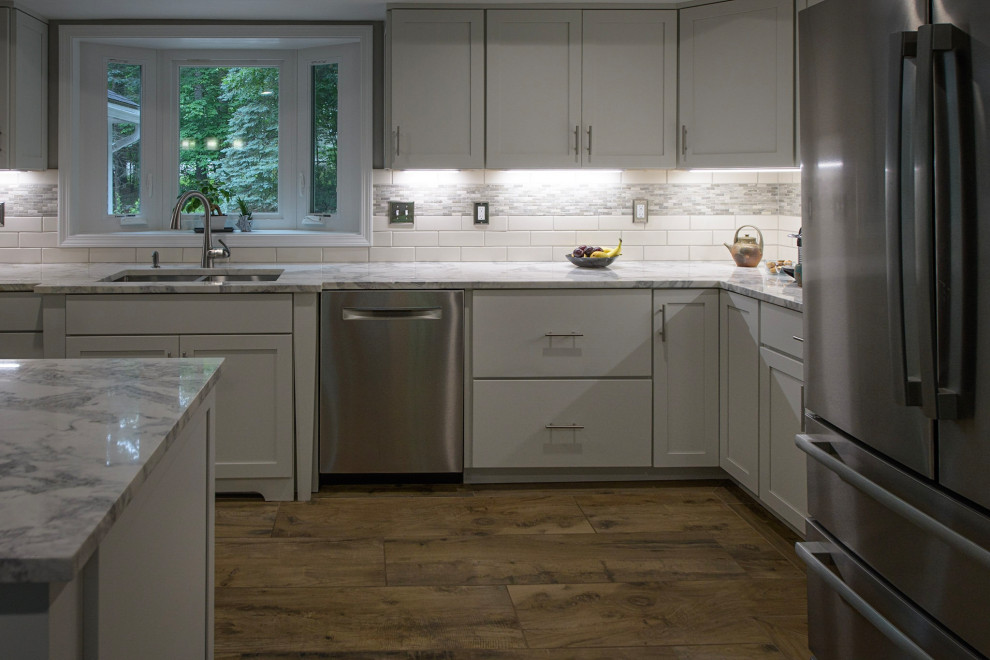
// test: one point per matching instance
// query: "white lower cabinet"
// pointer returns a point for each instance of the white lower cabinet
(20, 326)
(562, 423)
(739, 388)
(783, 467)
(255, 413)
(685, 378)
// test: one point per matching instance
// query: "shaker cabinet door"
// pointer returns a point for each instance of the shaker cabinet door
(739, 389)
(437, 88)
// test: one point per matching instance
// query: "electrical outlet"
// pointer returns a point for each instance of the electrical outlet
(400, 213)
(641, 211)
(481, 213)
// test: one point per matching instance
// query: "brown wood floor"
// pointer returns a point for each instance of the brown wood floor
(619, 572)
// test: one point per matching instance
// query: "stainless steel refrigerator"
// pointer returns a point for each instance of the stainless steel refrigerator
(895, 150)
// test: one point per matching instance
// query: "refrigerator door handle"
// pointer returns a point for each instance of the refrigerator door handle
(924, 220)
(812, 554)
(903, 46)
(954, 240)
(823, 452)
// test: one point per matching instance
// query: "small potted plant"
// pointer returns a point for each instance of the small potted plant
(245, 220)
(217, 195)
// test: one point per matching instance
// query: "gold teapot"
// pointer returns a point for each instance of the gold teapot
(745, 249)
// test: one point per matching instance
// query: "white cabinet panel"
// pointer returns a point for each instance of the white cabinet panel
(21, 345)
(737, 84)
(533, 101)
(685, 378)
(783, 467)
(146, 346)
(629, 88)
(437, 88)
(520, 334)
(23, 91)
(739, 388)
(561, 423)
(782, 329)
(254, 403)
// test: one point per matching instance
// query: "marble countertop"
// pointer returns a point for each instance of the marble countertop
(77, 440)
(754, 282)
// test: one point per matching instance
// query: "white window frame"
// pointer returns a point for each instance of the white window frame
(350, 226)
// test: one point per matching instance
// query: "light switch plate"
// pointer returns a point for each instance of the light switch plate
(641, 211)
(400, 213)
(481, 213)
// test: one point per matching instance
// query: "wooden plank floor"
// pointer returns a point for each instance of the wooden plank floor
(591, 572)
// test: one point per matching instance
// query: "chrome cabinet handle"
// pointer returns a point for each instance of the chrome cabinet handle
(796, 338)
(397, 139)
(589, 139)
(663, 323)
(684, 140)
(564, 426)
(564, 334)
(577, 140)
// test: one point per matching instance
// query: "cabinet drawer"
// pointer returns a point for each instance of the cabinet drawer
(782, 329)
(164, 314)
(519, 334)
(562, 423)
(21, 346)
(20, 312)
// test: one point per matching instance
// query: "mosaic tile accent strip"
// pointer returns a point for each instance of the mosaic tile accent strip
(596, 200)
(30, 200)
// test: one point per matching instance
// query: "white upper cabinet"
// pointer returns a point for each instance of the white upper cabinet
(23, 91)
(629, 88)
(737, 84)
(437, 88)
(534, 89)
(593, 88)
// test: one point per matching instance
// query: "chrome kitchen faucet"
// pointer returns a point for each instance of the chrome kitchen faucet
(209, 252)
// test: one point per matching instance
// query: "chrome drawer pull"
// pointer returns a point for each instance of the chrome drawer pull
(565, 426)
(564, 334)
(796, 338)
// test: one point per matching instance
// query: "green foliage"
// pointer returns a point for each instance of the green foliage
(217, 194)
(125, 79)
(324, 136)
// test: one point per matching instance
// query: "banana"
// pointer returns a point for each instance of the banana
(599, 253)
(616, 251)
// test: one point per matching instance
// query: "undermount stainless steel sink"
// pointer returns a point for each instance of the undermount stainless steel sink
(195, 275)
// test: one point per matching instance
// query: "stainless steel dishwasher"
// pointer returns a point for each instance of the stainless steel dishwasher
(392, 382)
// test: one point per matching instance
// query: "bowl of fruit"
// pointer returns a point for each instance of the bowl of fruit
(589, 256)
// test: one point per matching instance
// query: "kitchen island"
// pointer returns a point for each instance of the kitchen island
(106, 508)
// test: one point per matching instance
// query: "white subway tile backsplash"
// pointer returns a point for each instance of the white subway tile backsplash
(192, 255)
(644, 238)
(575, 222)
(379, 223)
(462, 238)
(632, 252)
(530, 223)
(666, 253)
(414, 238)
(49, 223)
(669, 222)
(438, 223)
(113, 255)
(252, 255)
(764, 222)
(438, 254)
(20, 255)
(620, 222)
(684, 176)
(381, 238)
(381, 177)
(784, 252)
(644, 176)
(553, 238)
(166, 255)
(710, 253)
(392, 254)
(345, 254)
(21, 224)
(507, 238)
(689, 238)
(299, 254)
(789, 223)
(713, 222)
(735, 177)
(768, 177)
(599, 238)
(483, 254)
(9, 240)
(529, 253)
(495, 223)
(64, 255)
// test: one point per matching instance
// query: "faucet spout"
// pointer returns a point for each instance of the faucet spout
(209, 252)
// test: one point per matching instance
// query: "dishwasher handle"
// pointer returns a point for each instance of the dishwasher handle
(392, 313)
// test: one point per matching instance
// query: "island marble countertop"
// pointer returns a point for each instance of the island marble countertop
(86, 278)
(77, 440)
